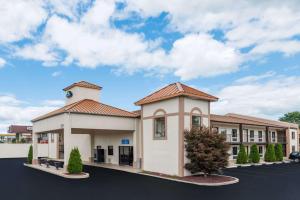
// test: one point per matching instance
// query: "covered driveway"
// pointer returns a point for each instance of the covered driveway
(87, 124)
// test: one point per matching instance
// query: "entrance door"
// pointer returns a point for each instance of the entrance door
(125, 155)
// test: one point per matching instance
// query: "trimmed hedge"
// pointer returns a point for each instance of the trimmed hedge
(270, 153)
(242, 157)
(278, 152)
(254, 154)
(30, 155)
(75, 162)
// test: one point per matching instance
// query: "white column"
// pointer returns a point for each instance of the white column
(137, 145)
(35, 147)
(67, 139)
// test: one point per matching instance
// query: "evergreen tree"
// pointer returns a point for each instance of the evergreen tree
(254, 154)
(242, 157)
(270, 154)
(75, 162)
(278, 152)
(30, 155)
(207, 150)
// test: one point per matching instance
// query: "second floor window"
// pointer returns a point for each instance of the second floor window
(251, 135)
(273, 136)
(159, 128)
(234, 135)
(260, 136)
(293, 135)
(196, 121)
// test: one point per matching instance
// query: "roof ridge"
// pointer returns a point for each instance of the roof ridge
(110, 106)
(155, 92)
(179, 86)
(72, 105)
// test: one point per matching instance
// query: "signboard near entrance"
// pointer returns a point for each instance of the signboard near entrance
(125, 141)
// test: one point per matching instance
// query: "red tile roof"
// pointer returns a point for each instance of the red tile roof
(83, 84)
(249, 120)
(19, 129)
(88, 106)
(175, 90)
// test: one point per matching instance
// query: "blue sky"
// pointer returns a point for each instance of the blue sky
(246, 54)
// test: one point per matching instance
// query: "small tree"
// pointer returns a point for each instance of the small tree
(270, 154)
(30, 155)
(254, 154)
(278, 152)
(242, 157)
(207, 151)
(75, 162)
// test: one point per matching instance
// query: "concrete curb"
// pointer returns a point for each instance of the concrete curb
(236, 180)
(61, 174)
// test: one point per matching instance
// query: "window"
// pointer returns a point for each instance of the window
(260, 150)
(234, 135)
(251, 135)
(273, 136)
(293, 135)
(234, 152)
(260, 136)
(159, 128)
(293, 148)
(196, 121)
(110, 150)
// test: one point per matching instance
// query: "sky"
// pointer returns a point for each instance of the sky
(244, 52)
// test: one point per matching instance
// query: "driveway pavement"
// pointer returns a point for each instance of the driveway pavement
(276, 182)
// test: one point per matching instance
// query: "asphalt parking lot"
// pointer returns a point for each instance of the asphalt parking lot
(276, 182)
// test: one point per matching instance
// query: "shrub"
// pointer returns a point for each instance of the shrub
(254, 154)
(242, 157)
(278, 152)
(207, 150)
(30, 155)
(270, 154)
(75, 162)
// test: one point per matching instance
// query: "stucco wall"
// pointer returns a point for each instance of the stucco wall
(294, 142)
(161, 155)
(112, 139)
(52, 123)
(80, 93)
(20, 150)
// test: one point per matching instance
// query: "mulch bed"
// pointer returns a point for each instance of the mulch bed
(207, 179)
(197, 178)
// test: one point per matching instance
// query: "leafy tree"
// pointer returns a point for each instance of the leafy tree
(278, 152)
(292, 117)
(30, 155)
(207, 150)
(75, 162)
(270, 153)
(254, 154)
(242, 157)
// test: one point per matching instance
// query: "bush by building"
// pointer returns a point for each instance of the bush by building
(207, 151)
(254, 154)
(242, 157)
(75, 162)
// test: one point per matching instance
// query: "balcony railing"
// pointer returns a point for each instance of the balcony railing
(246, 139)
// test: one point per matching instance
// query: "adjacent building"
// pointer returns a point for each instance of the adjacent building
(23, 134)
(151, 138)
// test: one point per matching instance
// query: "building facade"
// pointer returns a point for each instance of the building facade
(151, 138)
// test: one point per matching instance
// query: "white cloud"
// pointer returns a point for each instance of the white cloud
(19, 19)
(200, 55)
(269, 98)
(2, 62)
(272, 23)
(14, 111)
(56, 73)
(82, 33)
(255, 78)
(39, 52)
